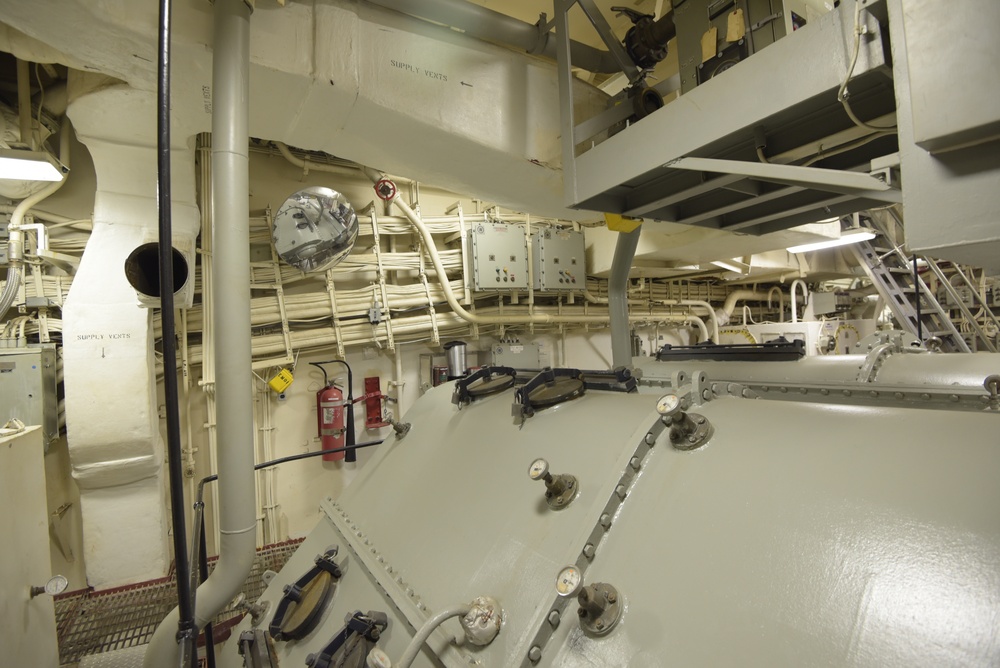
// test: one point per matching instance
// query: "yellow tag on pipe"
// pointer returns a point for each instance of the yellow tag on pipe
(619, 223)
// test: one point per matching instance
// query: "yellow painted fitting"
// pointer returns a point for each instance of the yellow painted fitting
(281, 381)
(619, 223)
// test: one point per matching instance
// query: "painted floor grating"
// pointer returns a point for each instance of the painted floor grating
(92, 622)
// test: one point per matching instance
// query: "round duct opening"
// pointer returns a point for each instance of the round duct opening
(142, 269)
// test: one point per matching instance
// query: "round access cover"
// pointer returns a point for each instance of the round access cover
(556, 391)
(302, 617)
(488, 386)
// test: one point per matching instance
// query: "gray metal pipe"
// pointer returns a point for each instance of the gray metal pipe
(621, 345)
(231, 295)
(486, 24)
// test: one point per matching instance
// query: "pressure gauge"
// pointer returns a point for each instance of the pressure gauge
(538, 469)
(569, 581)
(668, 404)
(56, 585)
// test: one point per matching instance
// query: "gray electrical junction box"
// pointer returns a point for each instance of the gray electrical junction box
(499, 257)
(557, 258)
(28, 388)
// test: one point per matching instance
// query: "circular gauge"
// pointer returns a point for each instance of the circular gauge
(538, 469)
(569, 581)
(668, 404)
(315, 229)
(56, 585)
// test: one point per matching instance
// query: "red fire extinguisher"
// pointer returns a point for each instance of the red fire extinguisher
(330, 418)
(335, 416)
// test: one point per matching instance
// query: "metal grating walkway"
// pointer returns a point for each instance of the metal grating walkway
(92, 622)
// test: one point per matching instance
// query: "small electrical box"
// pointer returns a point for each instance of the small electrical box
(557, 258)
(517, 355)
(281, 381)
(28, 388)
(499, 257)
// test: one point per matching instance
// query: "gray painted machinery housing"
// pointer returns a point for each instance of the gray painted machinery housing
(691, 522)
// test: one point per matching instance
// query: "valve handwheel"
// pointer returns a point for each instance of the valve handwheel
(385, 189)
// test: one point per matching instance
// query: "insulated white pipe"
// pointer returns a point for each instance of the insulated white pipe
(781, 302)
(233, 373)
(425, 631)
(805, 296)
(449, 294)
(702, 304)
(736, 296)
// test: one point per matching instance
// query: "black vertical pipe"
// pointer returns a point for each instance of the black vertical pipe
(186, 633)
(920, 298)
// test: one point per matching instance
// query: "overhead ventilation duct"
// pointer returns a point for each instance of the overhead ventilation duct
(484, 23)
(118, 463)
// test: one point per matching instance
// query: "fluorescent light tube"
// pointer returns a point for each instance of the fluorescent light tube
(29, 166)
(844, 240)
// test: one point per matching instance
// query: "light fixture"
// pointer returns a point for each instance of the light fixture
(849, 237)
(30, 166)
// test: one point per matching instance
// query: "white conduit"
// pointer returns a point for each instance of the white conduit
(233, 377)
(781, 301)
(435, 257)
(805, 296)
(726, 314)
(702, 304)
(15, 241)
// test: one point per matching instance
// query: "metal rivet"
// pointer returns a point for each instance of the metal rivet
(635, 463)
(925, 396)
(765, 388)
(899, 395)
(953, 397)
(535, 654)
(650, 439)
(589, 550)
(554, 618)
(620, 491)
(873, 393)
(824, 391)
(605, 520)
(847, 393)
(783, 390)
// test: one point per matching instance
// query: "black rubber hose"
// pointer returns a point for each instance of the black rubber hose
(289, 458)
(186, 632)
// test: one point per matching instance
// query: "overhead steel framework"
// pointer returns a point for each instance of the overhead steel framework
(761, 147)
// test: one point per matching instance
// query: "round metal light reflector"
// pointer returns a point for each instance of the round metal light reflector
(315, 229)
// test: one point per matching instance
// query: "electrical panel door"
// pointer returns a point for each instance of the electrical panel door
(557, 258)
(499, 257)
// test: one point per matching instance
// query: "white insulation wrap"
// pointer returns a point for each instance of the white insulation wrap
(114, 437)
(845, 535)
